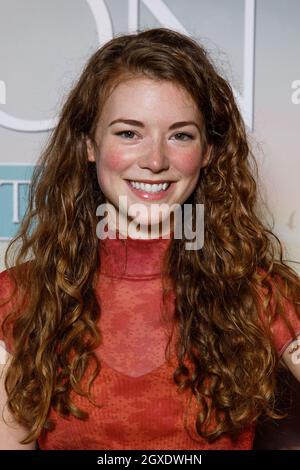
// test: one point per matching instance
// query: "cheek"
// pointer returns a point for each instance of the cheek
(114, 162)
(110, 165)
(189, 163)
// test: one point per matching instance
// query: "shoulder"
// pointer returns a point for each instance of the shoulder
(280, 310)
(9, 303)
(6, 289)
(7, 286)
(5, 279)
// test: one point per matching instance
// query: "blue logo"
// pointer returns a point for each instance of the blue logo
(14, 189)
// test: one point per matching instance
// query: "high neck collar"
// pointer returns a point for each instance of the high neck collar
(132, 258)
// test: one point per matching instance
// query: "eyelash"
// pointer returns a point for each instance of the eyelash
(178, 133)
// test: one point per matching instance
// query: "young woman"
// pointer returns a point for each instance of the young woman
(136, 342)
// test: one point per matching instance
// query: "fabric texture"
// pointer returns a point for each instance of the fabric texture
(140, 406)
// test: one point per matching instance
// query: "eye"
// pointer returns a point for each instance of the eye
(125, 132)
(186, 135)
(189, 136)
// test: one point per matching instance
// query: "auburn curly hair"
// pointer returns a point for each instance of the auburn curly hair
(218, 288)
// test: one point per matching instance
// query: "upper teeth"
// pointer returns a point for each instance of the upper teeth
(151, 188)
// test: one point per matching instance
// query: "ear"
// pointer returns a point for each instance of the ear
(90, 150)
(207, 156)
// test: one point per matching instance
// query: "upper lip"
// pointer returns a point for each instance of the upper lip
(151, 181)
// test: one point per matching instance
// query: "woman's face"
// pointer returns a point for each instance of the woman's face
(159, 144)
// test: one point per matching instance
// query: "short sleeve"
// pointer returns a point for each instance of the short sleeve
(281, 333)
(6, 288)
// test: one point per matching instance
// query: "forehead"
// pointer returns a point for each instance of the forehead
(144, 95)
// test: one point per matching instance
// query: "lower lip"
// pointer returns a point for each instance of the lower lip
(150, 196)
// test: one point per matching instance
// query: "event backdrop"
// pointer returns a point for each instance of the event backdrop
(255, 45)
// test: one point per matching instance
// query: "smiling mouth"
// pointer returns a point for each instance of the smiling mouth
(150, 188)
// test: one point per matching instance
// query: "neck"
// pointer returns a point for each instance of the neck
(131, 257)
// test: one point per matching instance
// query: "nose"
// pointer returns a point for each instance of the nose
(155, 158)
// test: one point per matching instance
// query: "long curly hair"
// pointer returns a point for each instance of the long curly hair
(219, 289)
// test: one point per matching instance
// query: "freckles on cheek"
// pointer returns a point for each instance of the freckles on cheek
(189, 163)
(115, 162)
(110, 166)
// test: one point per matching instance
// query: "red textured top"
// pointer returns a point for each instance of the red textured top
(141, 405)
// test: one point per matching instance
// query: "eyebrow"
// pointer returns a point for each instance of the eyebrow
(175, 125)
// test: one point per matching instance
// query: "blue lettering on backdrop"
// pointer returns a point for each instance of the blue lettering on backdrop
(14, 186)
